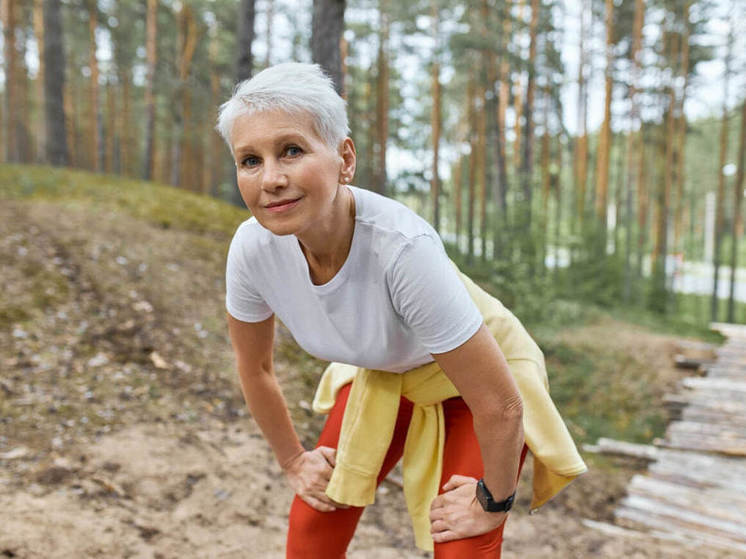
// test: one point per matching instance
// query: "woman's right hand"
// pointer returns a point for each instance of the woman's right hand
(309, 474)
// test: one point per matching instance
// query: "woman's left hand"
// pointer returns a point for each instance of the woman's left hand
(456, 513)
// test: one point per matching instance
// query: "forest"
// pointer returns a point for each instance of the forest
(550, 142)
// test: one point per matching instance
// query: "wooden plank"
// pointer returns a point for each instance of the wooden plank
(623, 448)
(647, 521)
(716, 503)
(715, 384)
(706, 444)
(691, 519)
(701, 470)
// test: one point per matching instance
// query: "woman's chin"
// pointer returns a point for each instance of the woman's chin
(277, 226)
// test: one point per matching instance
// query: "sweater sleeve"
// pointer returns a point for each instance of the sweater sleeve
(428, 294)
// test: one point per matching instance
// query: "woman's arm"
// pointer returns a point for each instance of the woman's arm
(308, 471)
(480, 372)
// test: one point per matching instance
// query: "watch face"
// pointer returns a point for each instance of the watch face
(483, 496)
(488, 503)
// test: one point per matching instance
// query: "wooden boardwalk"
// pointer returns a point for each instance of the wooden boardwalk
(695, 486)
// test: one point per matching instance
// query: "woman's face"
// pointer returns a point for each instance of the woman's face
(287, 175)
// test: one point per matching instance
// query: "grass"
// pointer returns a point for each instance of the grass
(159, 204)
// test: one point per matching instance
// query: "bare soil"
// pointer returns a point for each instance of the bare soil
(122, 428)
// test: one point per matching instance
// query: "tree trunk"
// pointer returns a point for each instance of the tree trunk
(472, 170)
(435, 118)
(527, 163)
(12, 144)
(151, 36)
(382, 102)
(643, 205)
(580, 165)
(270, 17)
(23, 98)
(40, 126)
(719, 210)
(110, 127)
(604, 146)
(327, 26)
(54, 85)
(182, 173)
(457, 194)
(681, 136)
(634, 141)
(71, 118)
(244, 40)
(94, 138)
(518, 100)
(501, 192)
(215, 143)
(481, 161)
(123, 123)
(737, 229)
(661, 239)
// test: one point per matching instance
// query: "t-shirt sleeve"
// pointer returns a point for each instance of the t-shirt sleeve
(428, 294)
(242, 300)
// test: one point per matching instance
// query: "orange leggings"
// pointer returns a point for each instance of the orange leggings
(326, 535)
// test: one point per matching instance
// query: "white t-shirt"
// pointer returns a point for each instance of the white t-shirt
(396, 300)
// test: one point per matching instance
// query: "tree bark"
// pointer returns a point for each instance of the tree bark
(737, 228)
(213, 167)
(12, 143)
(435, 118)
(527, 162)
(41, 127)
(244, 40)
(604, 147)
(327, 26)
(181, 172)
(54, 85)
(681, 135)
(270, 17)
(382, 102)
(472, 169)
(151, 36)
(94, 138)
(518, 101)
(110, 127)
(719, 209)
(634, 141)
(581, 145)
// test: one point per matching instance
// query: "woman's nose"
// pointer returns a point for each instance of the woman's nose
(273, 176)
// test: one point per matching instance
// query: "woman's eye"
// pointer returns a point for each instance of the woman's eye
(250, 161)
(292, 151)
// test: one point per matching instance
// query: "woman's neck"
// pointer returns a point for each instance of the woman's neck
(326, 249)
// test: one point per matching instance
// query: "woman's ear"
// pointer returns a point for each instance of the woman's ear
(349, 159)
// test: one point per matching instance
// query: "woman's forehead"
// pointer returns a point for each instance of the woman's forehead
(272, 125)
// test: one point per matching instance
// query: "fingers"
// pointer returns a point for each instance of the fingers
(329, 454)
(447, 536)
(457, 481)
(318, 504)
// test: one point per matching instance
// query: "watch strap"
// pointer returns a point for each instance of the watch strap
(488, 502)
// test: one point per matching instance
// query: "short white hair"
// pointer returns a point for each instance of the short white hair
(292, 87)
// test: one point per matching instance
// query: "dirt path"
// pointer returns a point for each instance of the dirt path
(122, 430)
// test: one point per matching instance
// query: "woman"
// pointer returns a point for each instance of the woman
(360, 279)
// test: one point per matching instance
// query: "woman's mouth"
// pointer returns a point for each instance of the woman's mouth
(282, 205)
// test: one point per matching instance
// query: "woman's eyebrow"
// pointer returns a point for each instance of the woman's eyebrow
(278, 140)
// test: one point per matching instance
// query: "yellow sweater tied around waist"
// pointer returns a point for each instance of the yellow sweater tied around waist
(373, 404)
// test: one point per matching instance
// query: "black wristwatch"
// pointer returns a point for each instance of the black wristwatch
(488, 503)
